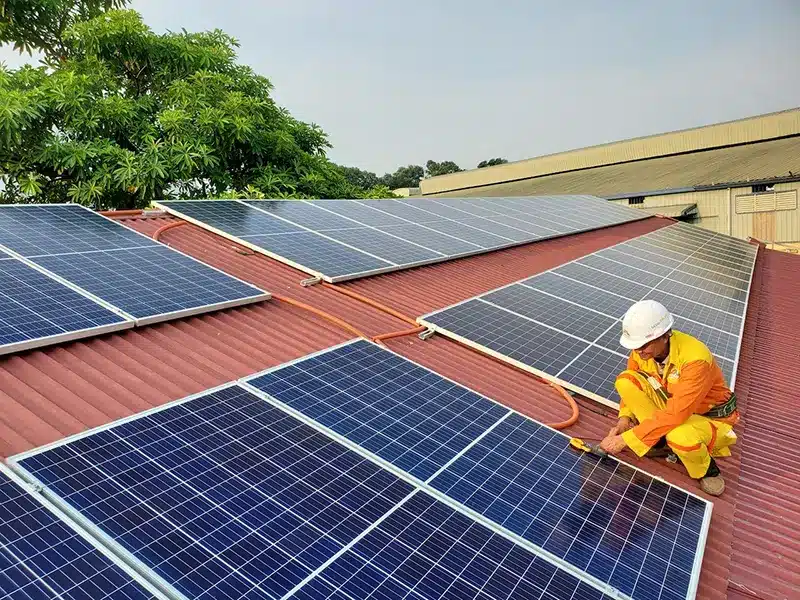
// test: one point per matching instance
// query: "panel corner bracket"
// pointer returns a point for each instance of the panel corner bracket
(311, 281)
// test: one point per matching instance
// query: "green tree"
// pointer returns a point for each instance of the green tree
(126, 116)
(356, 177)
(40, 24)
(492, 162)
(434, 169)
(403, 177)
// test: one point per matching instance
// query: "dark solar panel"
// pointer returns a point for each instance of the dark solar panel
(405, 414)
(36, 309)
(565, 323)
(345, 239)
(41, 557)
(425, 550)
(151, 282)
(223, 496)
(622, 526)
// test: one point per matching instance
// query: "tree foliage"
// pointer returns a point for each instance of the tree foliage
(126, 116)
(492, 162)
(434, 169)
(40, 24)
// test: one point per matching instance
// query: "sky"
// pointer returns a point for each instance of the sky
(396, 83)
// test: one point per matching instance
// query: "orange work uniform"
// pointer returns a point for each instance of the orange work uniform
(694, 384)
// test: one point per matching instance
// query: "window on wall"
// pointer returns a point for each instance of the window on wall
(762, 187)
(636, 200)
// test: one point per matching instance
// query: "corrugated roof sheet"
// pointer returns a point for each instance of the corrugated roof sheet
(53, 392)
(765, 160)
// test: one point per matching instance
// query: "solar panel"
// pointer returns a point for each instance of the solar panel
(223, 495)
(43, 556)
(226, 495)
(565, 323)
(44, 229)
(622, 526)
(130, 272)
(519, 475)
(36, 310)
(403, 413)
(427, 550)
(338, 240)
(152, 283)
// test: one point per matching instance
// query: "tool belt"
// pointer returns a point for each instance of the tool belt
(722, 411)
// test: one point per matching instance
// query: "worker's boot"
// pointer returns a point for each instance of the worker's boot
(712, 483)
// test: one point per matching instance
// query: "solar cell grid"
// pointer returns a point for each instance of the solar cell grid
(235, 218)
(41, 557)
(223, 496)
(592, 297)
(403, 413)
(328, 256)
(361, 212)
(431, 230)
(427, 550)
(569, 318)
(35, 230)
(621, 526)
(419, 234)
(387, 247)
(709, 302)
(483, 238)
(304, 214)
(510, 335)
(35, 307)
(150, 282)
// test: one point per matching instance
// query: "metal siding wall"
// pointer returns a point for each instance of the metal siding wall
(711, 206)
(781, 225)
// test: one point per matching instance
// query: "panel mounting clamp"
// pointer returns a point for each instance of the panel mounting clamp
(311, 281)
(424, 335)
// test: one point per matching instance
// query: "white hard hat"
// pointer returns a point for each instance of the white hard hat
(645, 321)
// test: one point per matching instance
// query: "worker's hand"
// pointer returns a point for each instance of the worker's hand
(621, 427)
(613, 444)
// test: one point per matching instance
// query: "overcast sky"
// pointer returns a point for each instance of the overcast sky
(394, 82)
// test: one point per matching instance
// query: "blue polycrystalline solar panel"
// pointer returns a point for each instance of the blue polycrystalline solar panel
(344, 239)
(304, 214)
(407, 415)
(565, 323)
(40, 229)
(149, 282)
(327, 255)
(223, 496)
(35, 308)
(425, 550)
(397, 250)
(42, 557)
(622, 526)
(235, 218)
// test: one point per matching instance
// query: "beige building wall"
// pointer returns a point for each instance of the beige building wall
(772, 217)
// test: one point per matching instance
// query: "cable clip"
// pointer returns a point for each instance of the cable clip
(424, 335)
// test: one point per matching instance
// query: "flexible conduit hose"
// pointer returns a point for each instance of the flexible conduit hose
(387, 336)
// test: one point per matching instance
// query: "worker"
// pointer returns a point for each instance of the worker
(673, 396)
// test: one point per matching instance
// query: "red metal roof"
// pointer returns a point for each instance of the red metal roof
(753, 546)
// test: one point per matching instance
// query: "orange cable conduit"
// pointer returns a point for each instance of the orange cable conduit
(379, 339)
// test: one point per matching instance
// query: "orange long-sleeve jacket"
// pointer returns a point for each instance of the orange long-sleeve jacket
(693, 381)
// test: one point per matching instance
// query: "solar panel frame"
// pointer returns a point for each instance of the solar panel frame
(434, 223)
(590, 262)
(68, 335)
(427, 486)
(147, 242)
(85, 531)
